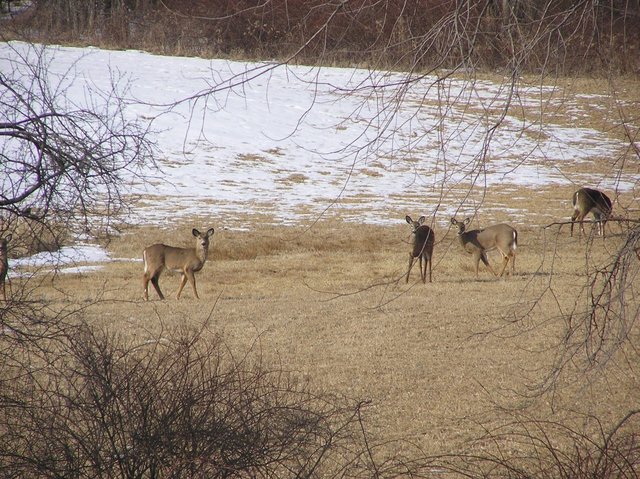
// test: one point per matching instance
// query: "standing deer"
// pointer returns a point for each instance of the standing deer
(588, 200)
(4, 263)
(477, 242)
(423, 240)
(188, 261)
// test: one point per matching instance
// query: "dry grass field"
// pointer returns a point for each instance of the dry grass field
(441, 363)
(445, 366)
(451, 373)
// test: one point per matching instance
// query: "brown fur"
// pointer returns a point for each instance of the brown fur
(188, 261)
(4, 264)
(502, 237)
(423, 242)
(588, 200)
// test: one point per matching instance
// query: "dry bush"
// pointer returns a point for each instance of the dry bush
(401, 34)
(535, 449)
(93, 405)
(32, 236)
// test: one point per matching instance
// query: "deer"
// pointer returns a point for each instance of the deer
(4, 263)
(588, 200)
(423, 241)
(188, 261)
(502, 237)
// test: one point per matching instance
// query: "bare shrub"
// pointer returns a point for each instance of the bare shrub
(62, 167)
(62, 164)
(536, 449)
(545, 36)
(604, 321)
(96, 406)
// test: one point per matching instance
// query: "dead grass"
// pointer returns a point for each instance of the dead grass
(330, 303)
(441, 362)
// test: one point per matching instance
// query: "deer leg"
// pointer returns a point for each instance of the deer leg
(602, 221)
(4, 291)
(154, 277)
(423, 269)
(483, 257)
(183, 281)
(579, 217)
(411, 261)
(505, 262)
(192, 279)
(145, 285)
(428, 258)
(476, 259)
(155, 281)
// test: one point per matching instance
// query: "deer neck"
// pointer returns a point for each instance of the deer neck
(461, 237)
(202, 252)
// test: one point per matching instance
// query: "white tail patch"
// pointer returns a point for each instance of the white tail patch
(478, 242)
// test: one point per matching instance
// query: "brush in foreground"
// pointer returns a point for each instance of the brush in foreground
(4, 264)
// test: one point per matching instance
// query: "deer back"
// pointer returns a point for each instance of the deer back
(500, 236)
(423, 241)
(423, 237)
(587, 200)
(174, 258)
(179, 258)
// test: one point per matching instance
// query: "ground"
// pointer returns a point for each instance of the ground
(440, 362)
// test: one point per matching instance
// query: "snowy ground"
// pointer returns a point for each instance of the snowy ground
(292, 143)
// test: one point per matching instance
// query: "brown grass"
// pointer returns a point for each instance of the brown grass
(441, 362)
(330, 303)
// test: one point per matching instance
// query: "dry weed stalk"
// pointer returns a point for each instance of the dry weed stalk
(179, 405)
(537, 449)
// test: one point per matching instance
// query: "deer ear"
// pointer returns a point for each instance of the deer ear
(467, 221)
(409, 220)
(195, 232)
(8, 238)
(210, 232)
(422, 219)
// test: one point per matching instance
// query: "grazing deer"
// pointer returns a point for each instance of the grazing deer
(188, 261)
(423, 240)
(588, 200)
(477, 242)
(4, 263)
